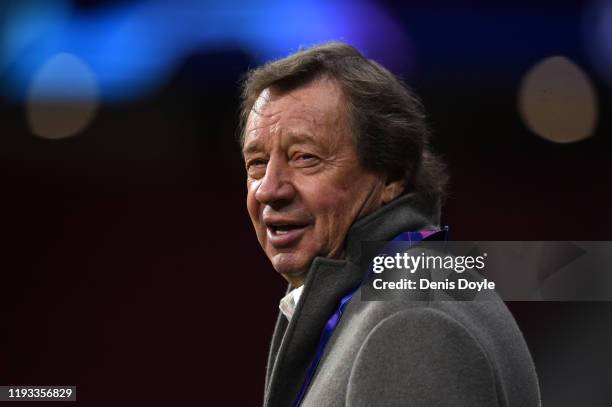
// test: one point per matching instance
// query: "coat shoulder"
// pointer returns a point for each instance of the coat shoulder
(442, 353)
(421, 357)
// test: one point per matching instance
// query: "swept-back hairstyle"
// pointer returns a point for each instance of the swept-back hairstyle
(386, 118)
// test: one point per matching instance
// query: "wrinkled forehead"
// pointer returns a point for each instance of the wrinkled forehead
(272, 108)
(312, 109)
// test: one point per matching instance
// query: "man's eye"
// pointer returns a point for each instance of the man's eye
(256, 163)
(256, 168)
(305, 158)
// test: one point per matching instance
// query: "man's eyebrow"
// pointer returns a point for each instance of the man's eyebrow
(251, 148)
(290, 139)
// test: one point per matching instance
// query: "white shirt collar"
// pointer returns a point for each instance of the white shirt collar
(289, 302)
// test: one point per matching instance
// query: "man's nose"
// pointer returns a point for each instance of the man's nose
(276, 188)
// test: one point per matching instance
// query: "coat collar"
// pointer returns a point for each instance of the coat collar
(408, 213)
(294, 343)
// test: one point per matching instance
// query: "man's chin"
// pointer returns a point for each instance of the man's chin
(291, 266)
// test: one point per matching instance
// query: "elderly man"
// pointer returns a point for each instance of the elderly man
(336, 153)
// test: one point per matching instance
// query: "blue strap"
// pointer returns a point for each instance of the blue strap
(334, 320)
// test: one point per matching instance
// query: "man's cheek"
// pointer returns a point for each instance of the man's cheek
(325, 202)
(316, 238)
(252, 214)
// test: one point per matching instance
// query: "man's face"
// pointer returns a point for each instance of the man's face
(305, 184)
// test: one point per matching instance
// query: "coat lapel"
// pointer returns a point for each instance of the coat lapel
(327, 281)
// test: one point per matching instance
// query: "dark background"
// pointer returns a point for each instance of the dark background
(128, 265)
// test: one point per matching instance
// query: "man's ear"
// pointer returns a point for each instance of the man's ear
(392, 190)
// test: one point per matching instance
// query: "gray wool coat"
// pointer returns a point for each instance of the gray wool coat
(414, 351)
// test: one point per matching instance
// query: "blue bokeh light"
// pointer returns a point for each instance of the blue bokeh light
(597, 27)
(133, 48)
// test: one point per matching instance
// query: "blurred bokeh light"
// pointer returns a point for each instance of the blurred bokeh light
(62, 99)
(557, 101)
(597, 28)
(133, 48)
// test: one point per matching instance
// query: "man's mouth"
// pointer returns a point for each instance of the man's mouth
(283, 229)
(285, 234)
